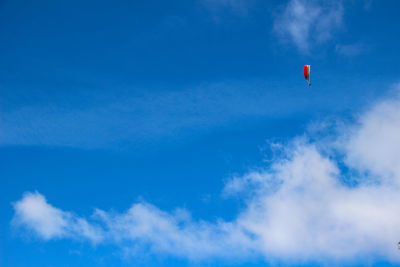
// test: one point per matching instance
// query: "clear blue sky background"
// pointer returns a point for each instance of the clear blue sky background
(104, 103)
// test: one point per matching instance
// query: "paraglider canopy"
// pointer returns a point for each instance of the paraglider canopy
(306, 71)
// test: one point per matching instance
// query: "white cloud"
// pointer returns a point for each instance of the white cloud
(301, 207)
(42, 218)
(142, 226)
(35, 214)
(308, 22)
(375, 145)
(175, 234)
(314, 216)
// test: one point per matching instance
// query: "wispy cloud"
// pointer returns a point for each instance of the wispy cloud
(126, 117)
(109, 120)
(301, 207)
(308, 22)
(351, 49)
(239, 7)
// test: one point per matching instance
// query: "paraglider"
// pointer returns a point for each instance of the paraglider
(306, 71)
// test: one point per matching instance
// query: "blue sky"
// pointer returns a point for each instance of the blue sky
(150, 133)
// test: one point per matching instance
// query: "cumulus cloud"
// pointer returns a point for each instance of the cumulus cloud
(176, 234)
(314, 215)
(35, 214)
(308, 22)
(374, 145)
(143, 226)
(301, 207)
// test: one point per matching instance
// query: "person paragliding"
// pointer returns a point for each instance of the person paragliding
(306, 71)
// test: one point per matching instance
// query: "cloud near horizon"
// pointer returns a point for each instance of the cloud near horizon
(302, 206)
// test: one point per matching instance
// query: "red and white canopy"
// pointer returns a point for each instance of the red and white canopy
(306, 71)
